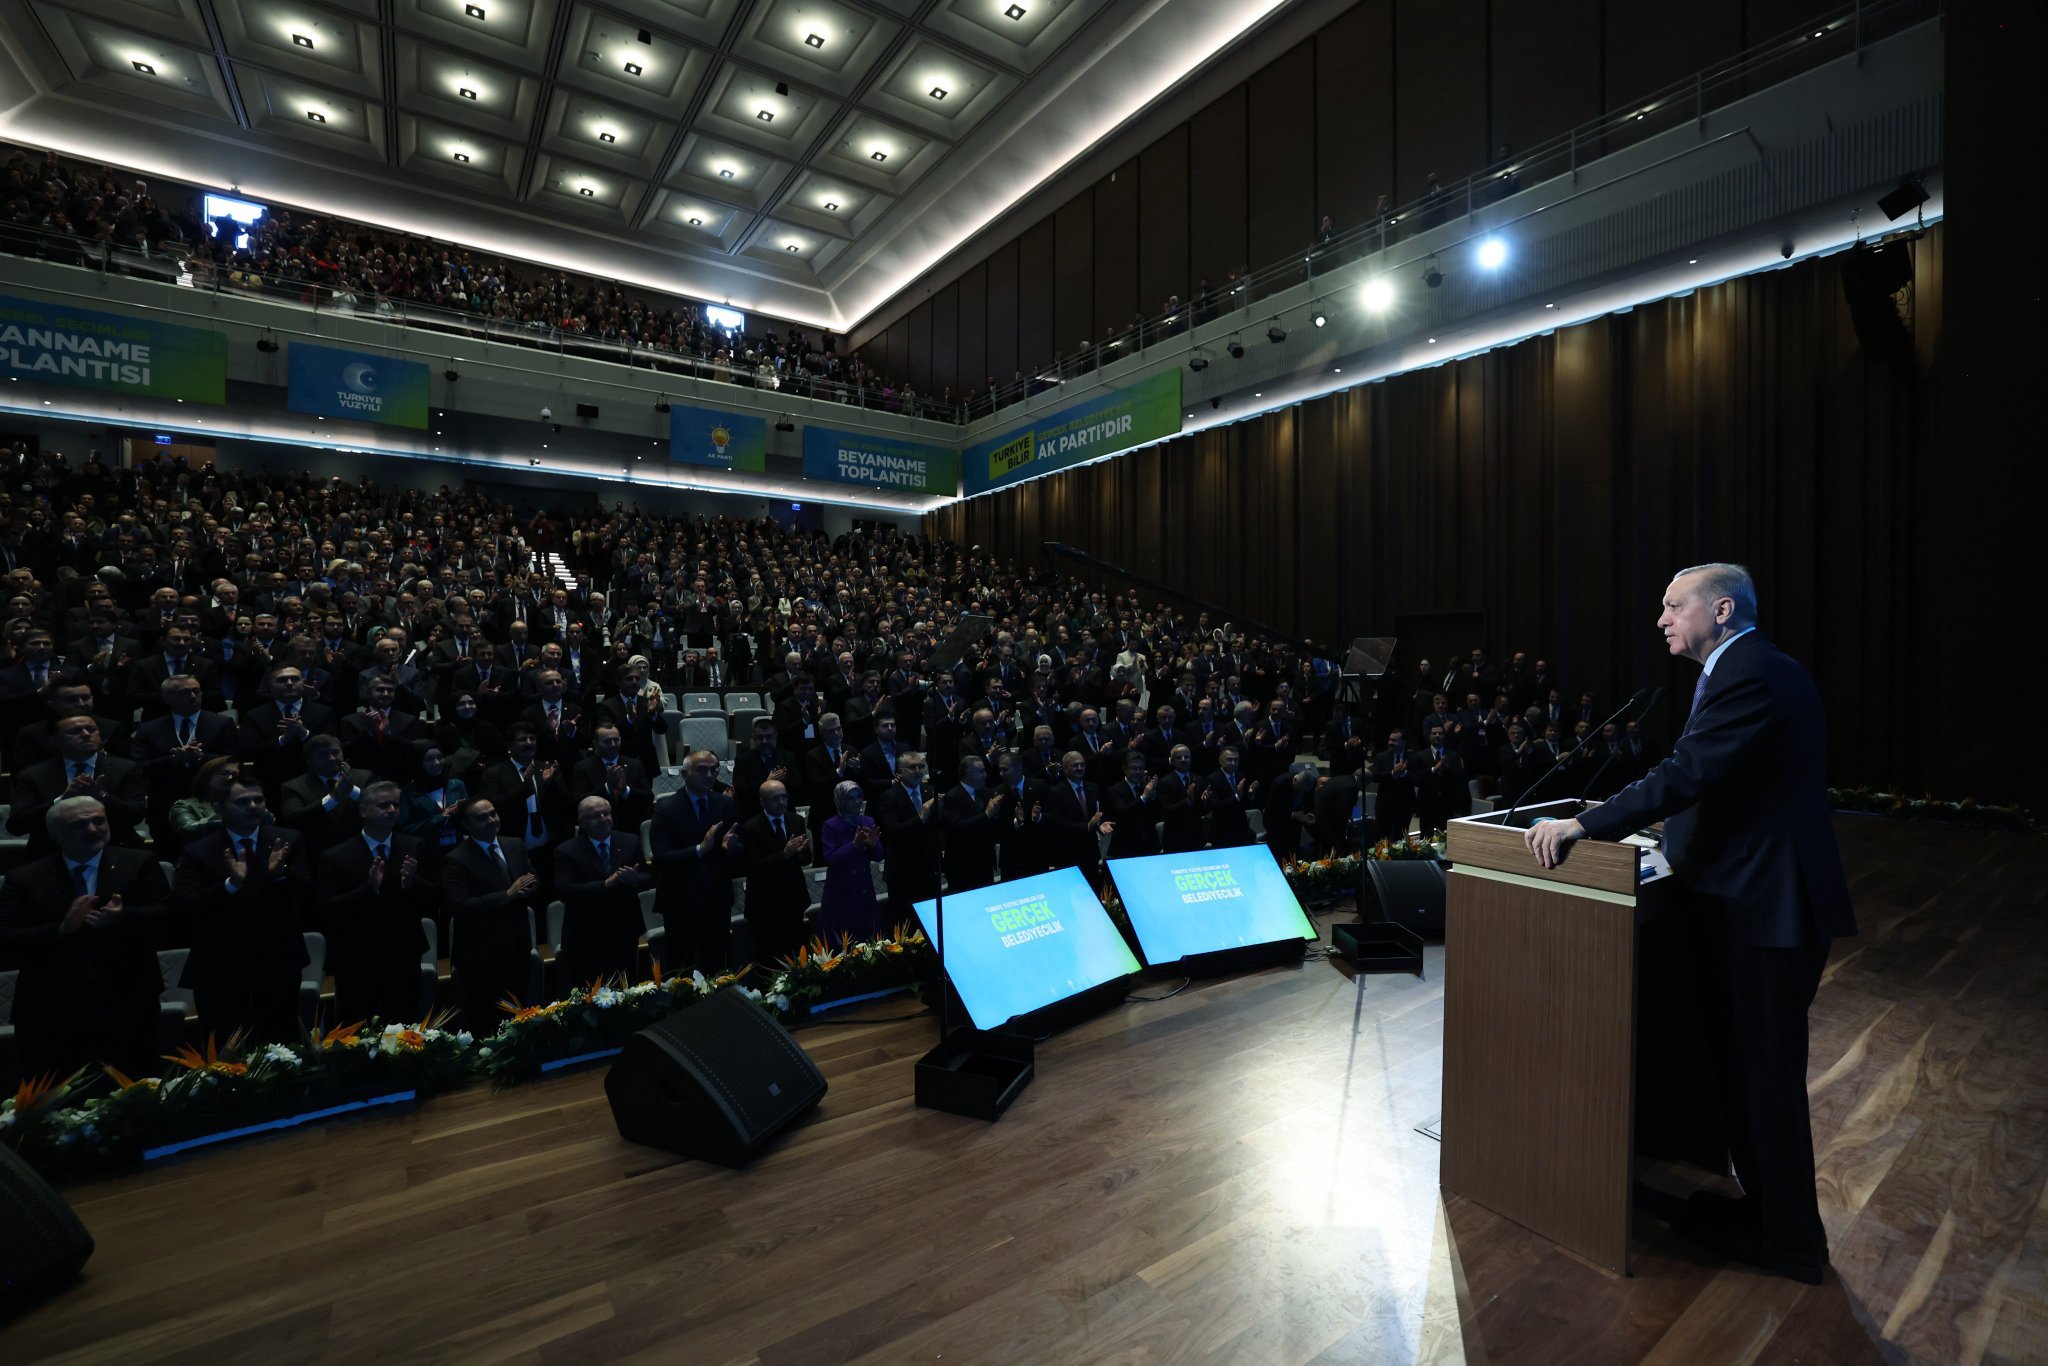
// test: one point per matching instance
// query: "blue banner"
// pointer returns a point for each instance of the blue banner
(360, 385)
(718, 438)
(884, 462)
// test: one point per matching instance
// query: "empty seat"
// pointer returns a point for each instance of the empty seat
(736, 700)
(702, 704)
(704, 732)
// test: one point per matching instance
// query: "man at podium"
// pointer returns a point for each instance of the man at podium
(1747, 830)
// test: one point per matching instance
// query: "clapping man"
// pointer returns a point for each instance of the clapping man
(968, 812)
(490, 893)
(911, 835)
(244, 894)
(372, 896)
(696, 856)
(598, 877)
(776, 850)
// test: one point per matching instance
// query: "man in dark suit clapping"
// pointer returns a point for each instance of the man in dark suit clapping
(1748, 831)
(1227, 799)
(697, 853)
(79, 924)
(968, 815)
(598, 876)
(1180, 810)
(1073, 807)
(776, 849)
(912, 835)
(489, 892)
(608, 772)
(171, 748)
(372, 896)
(80, 769)
(243, 893)
(1394, 769)
(1134, 805)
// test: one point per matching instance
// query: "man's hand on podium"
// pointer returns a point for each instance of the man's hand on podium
(1547, 840)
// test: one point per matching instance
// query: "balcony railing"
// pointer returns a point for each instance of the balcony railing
(1841, 32)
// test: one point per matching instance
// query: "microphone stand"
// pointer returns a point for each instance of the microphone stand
(1564, 758)
(1655, 698)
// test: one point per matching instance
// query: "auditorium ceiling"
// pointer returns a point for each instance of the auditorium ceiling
(805, 157)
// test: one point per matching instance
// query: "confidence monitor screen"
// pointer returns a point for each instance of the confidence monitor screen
(1020, 946)
(1182, 905)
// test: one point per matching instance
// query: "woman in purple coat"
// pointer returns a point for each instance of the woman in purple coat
(852, 842)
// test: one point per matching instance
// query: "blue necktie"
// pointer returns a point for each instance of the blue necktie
(1699, 691)
(78, 885)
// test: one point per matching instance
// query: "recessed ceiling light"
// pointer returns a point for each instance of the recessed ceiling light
(696, 222)
(814, 40)
(726, 172)
(938, 92)
(302, 40)
(607, 137)
(791, 247)
(1258, 394)
(831, 207)
(633, 68)
(1432, 341)
(766, 116)
(1014, 12)
(466, 93)
(1550, 305)
(879, 155)
(473, 11)
(462, 156)
(586, 190)
(144, 67)
(316, 116)
(1694, 261)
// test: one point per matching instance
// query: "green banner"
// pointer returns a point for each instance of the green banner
(58, 344)
(1103, 425)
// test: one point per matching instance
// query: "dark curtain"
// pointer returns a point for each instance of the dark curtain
(1552, 486)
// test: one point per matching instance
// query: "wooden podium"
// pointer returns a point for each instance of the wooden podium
(1540, 978)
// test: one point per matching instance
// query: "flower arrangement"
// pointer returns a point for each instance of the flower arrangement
(1969, 811)
(1316, 879)
(590, 1019)
(822, 972)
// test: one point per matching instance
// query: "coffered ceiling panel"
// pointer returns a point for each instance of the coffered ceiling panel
(786, 153)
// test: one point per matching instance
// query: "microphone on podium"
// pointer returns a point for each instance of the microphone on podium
(1655, 698)
(1566, 754)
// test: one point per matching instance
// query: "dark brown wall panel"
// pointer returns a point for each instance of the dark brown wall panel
(1034, 295)
(917, 364)
(1073, 293)
(895, 350)
(1217, 185)
(1551, 487)
(946, 340)
(1355, 111)
(1116, 249)
(1439, 91)
(1652, 46)
(974, 367)
(1283, 130)
(1002, 313)
(1546, 69)
(1163, 221)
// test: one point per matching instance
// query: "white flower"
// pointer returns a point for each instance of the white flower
(6, 1119)
(465, 1038)
(279, 1053)
(779, 1001)
(604, 998)
(698, 979)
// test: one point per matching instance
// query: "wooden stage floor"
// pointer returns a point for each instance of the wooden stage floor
(1231, 1175)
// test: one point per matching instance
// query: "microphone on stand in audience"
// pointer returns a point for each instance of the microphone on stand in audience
(1614, 749)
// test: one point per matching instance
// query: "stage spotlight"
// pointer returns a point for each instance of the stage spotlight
(1276, 333)
(1235, 348)
(1432, 274)
(265, 345)
(451, 374)
(1493, 253)
(1198, 362)
(1322, 319)
(1377, 295)
(785, 425)
(661, 404)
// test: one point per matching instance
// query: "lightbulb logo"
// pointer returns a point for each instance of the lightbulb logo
(720, 438)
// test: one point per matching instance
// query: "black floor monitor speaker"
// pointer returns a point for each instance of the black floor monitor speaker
(41, 1241)
(715, 1081)
(1411, 894)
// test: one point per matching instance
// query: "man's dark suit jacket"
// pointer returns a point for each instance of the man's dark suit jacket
(251, 934)
(752, 768)
(1136, 818)
(90, 988)
(684, 878)
(777, 892)
(911, 844)
(1283, 832)
(1229, 821)
(374, 939)
(600, 925)
(1074, 844)
(299, 806)
(589, 779)
(388, 756)
(170, 777)
(508, 792)
(491, 939)
(970, 837)
(1180, 811)
(1744, 801)
(275, 762)
(1023, 842)
(146, 681)
(37, 740)
(636, 728)
(123, 789)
